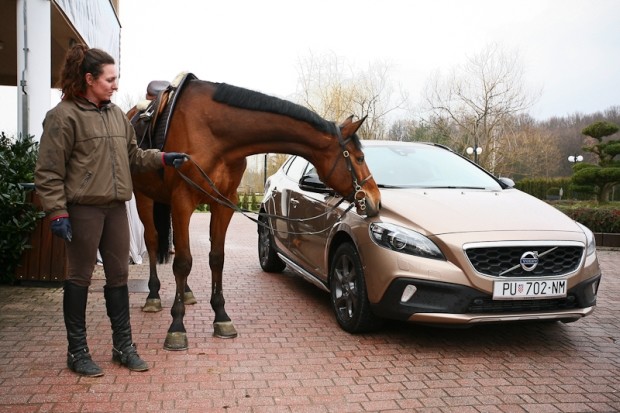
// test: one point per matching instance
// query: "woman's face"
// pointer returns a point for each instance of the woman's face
(102, 88)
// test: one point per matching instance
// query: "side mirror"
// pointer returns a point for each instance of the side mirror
(506, 182)
(312, 183)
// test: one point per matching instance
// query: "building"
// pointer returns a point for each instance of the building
(34, 37)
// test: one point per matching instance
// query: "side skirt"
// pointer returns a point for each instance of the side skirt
(304, 274)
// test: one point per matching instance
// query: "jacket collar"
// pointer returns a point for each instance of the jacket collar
(84, 103)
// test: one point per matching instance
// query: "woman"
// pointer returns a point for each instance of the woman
(83, 178)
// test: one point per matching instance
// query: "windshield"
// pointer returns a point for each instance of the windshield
(422, 166)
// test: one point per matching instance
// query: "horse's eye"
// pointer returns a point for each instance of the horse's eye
(360, 160)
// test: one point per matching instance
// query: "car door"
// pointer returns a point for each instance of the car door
(278, 205)
(307, 236)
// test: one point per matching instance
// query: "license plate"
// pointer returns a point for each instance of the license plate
(520, 290)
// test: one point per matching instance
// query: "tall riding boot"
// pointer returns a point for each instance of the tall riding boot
(74, 311)
(124, 351)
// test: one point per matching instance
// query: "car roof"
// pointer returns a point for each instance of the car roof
(377, 142)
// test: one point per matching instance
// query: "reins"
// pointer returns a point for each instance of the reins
(358, 195)
(222, 200)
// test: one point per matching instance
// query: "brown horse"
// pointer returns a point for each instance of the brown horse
(218, 126)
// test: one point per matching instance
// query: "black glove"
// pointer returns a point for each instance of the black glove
(61, 227)
(175, 159)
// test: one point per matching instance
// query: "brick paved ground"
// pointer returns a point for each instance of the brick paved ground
(291, 356)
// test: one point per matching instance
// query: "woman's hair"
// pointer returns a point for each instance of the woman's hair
(81, 60)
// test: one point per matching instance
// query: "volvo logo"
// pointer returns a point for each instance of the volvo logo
(529, 260)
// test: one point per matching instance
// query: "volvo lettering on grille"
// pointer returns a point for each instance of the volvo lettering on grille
(529, 260)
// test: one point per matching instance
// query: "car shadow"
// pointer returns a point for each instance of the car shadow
(544, 338)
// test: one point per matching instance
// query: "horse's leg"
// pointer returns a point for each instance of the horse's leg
(145, 211)
(220, 219)
(188, 297)
(176, 338)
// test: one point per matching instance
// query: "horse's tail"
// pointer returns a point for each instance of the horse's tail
(161, 218)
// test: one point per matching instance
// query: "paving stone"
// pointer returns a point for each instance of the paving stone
(291, 356)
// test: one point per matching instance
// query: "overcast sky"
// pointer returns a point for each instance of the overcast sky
(570, 49)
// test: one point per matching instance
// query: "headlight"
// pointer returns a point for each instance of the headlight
(590, 242)
(404, 240)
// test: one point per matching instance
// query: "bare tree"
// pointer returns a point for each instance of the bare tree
(126, 101)
(336, 90)
(479, 98)
(528, 151)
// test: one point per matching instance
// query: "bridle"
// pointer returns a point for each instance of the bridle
(358, 195)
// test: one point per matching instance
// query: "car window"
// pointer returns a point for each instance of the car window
(424, 166)
(287, 163)
(297, 168)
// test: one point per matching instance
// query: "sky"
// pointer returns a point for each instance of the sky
(569, 49)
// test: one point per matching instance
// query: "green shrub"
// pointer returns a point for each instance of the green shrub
(18, 218)
(541, 187)
(596, 217)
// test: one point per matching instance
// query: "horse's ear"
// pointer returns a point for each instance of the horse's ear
(349, 127)
(347, 121)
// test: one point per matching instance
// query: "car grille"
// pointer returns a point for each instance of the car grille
(488, 305)
(505, 261)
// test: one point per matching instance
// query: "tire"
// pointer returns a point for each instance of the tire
(349, 297)
(269, 260)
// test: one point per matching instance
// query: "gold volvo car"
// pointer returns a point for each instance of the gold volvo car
(452, 244)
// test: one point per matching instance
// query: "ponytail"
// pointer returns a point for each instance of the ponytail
(79, 61)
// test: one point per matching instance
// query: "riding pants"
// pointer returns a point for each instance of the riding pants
(104, 228)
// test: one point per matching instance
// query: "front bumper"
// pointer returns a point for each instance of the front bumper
(443, 303)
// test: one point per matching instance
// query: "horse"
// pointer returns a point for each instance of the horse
(218, 125)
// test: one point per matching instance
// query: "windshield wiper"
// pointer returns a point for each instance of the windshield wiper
(390, 186)
(454, 187)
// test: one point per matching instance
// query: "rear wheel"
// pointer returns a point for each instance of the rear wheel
(269, 260)
(349, 297)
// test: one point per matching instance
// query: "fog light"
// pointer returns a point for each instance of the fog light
(408, 293)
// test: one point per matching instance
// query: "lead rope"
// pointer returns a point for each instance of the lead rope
(222, 200)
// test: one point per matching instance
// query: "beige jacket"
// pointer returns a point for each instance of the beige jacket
(86, 156)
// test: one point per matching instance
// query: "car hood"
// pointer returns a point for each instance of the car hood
(442, 211)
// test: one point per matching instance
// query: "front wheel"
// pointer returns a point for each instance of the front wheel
(349, 297)
(269, 260)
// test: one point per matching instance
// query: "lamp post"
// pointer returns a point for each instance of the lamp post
(575, 158)
(476, 150)
(265, 170)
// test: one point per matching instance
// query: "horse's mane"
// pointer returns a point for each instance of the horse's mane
(251, 100)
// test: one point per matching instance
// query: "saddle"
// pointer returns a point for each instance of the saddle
(153, 117)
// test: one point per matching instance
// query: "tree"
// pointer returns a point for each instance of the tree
(606, 174)
(528, 151)
(480, 99)
(335, 91)
(412, 131)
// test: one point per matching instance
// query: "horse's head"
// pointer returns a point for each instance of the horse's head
(348, 174)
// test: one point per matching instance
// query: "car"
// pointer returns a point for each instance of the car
(452, 244)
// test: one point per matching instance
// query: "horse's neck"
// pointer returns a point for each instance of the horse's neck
(288, 136)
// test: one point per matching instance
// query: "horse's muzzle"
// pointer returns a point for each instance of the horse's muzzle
(367, 207)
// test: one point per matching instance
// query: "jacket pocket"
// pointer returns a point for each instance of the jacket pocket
(82, 188)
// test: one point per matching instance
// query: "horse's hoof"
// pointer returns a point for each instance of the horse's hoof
(176, 341)
(188, 298)
(224, 329)
(152, 305)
